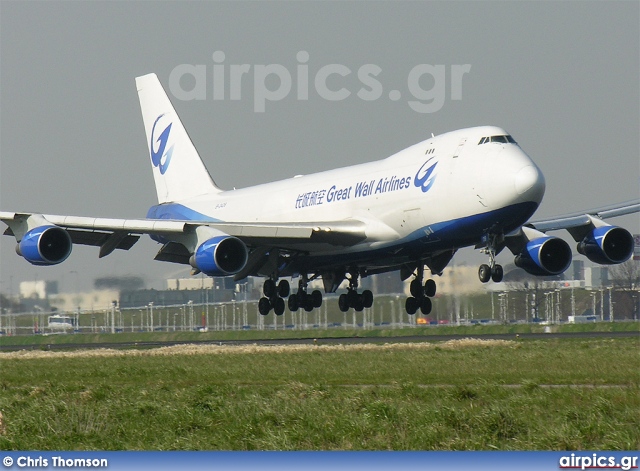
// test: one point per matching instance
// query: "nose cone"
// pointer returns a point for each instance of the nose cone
(529, 183)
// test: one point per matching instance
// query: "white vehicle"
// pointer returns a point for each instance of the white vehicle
(409, 212)
(61, 322)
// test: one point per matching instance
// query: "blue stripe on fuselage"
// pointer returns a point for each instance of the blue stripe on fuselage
(176, 212)
(447, 235)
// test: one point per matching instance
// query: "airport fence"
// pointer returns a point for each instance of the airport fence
(221, 316)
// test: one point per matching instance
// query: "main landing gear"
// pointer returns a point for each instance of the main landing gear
(304, 300)
(275, 295)
(351, 299)
(492, 271)
(420, 295)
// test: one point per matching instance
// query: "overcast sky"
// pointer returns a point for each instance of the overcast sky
(561, 77)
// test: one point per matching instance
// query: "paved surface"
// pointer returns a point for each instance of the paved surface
(328, 340)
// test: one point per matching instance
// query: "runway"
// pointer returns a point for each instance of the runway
(324, 340)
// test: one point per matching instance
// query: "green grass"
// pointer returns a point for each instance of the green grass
(526, 395)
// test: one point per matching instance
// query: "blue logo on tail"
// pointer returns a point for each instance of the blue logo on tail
(161, 158)
(424, 178)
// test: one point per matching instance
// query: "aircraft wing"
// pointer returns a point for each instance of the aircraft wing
(583, 218)
(111, 234)
(587, 228)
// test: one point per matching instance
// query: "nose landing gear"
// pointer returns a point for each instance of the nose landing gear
(492, 271)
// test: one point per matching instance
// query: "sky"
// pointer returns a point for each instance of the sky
(562, 77)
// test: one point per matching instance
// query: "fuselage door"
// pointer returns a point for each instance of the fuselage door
(458, 150)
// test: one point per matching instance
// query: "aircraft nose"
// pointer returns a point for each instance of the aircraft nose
(529, 183)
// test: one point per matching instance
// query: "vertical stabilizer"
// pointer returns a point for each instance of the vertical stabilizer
(178, 170)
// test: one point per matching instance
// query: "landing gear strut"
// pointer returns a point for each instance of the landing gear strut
(492, 271)
(351, 299)
(420, 295)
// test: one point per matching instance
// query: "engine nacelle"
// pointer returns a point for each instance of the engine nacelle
(545, 256)
(220, 256)
(607, 245)
(45, 245)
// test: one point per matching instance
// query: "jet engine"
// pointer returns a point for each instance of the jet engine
(220, 256)
(607, 245)
(45, 245)
(545, 256)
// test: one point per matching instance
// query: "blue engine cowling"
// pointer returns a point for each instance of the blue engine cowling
(220, 256)
(607, 245)
(545, 256)
(45, 245)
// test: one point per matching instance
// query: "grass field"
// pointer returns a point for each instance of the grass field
(456, 395)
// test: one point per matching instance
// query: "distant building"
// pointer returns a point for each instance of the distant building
(456, 279)
(38, 289)
(596, 277)
(90, 300)
(577, 267)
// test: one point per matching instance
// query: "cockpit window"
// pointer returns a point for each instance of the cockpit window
(498, 139)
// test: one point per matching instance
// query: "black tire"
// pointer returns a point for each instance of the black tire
(367, 298)
(293, 303)
(343, 303)
(497, 274)
(278, 306)
(283, 288)
(359, 304)
(308, 304)
(352, 296)
(269, 288)
(411, 305)
(484, 273)
(316, 298)
(264, 306)
(425, 306)
(430, 288)
(416, 289)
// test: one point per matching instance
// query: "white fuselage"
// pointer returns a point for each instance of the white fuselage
(468, 180)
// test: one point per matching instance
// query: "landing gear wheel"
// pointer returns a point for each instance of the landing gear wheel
(308, 304)
(283, 288)
(430, 288)
(367, 298)
(316, 298)
(264, 306)
(278, 306)
(343, 303)
(416, 288)
(497, 274)
(269, 288)
(411, 305)
(293, 303)
(425, 306)
(484, 273)
(358, 305)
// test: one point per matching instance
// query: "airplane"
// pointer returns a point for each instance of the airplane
(409, 212)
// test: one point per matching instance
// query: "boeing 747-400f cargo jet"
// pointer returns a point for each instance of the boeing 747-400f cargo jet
(409, 212)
